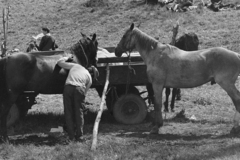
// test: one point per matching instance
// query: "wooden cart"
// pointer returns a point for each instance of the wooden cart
(123, 99)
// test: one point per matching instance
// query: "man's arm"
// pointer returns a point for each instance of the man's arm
(66, 65)
(42, 43)
(54, 46)
(88, 85)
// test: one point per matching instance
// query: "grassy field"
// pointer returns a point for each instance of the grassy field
(207, 137)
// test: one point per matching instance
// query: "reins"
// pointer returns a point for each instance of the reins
(84, 53)
(129, 70)
(94, 72)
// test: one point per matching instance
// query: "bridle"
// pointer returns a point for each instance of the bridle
(83, 51)
(130, 69)
(129, 49)
(125, 43)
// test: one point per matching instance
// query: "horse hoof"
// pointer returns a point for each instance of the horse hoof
(154, 130)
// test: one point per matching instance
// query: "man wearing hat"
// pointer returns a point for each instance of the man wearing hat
(47, 42)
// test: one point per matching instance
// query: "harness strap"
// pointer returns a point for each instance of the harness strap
(83, 52)
(129, 70)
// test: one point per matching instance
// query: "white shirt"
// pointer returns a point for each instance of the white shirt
(77, 76)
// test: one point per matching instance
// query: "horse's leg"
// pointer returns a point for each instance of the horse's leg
(167, 93)
(5, 108)
(174, 93)
(150, 97)
(234, 94)
(178, 94)
(3, 126)
(158, 89)
(150, 93)
(3, 123)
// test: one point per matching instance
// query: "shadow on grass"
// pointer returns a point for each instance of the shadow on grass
(166, 136)
(37, 140)
(174, 137)
(180, 117)
(142, 130)
(225, 152)
(106, 117)
(53, 120)
(35, 128)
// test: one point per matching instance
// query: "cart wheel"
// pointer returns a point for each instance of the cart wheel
(13, 115)
(120, 89)
(130, 109)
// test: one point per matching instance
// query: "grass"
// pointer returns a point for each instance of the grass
(67, 19)
(206, 138)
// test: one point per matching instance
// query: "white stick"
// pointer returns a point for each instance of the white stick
(98, 118)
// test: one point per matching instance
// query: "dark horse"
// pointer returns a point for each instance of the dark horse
(169, 66)
(37, 72)
(187, 42)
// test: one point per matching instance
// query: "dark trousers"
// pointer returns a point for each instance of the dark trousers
(74, 104)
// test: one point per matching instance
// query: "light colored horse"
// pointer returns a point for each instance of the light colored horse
(168, 66)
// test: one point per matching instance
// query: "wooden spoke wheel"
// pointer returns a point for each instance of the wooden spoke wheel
(130, 109)
(111, 97)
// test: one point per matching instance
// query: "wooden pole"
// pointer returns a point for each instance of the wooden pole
(98, 118)
(173, 41)
(5, 28)
(3, 45)
(175, 32)
(7, 17)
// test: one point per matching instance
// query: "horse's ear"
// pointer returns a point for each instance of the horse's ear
(83, 34)
(94, 37)
(132, 26)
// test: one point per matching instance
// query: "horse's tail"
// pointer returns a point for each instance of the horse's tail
(3, 82)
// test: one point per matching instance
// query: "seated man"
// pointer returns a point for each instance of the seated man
(47, 42)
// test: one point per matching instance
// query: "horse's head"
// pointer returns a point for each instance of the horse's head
(86, 50)
(126, 43)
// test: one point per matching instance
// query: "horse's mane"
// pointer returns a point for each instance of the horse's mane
(145, 41)
(78, 50)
